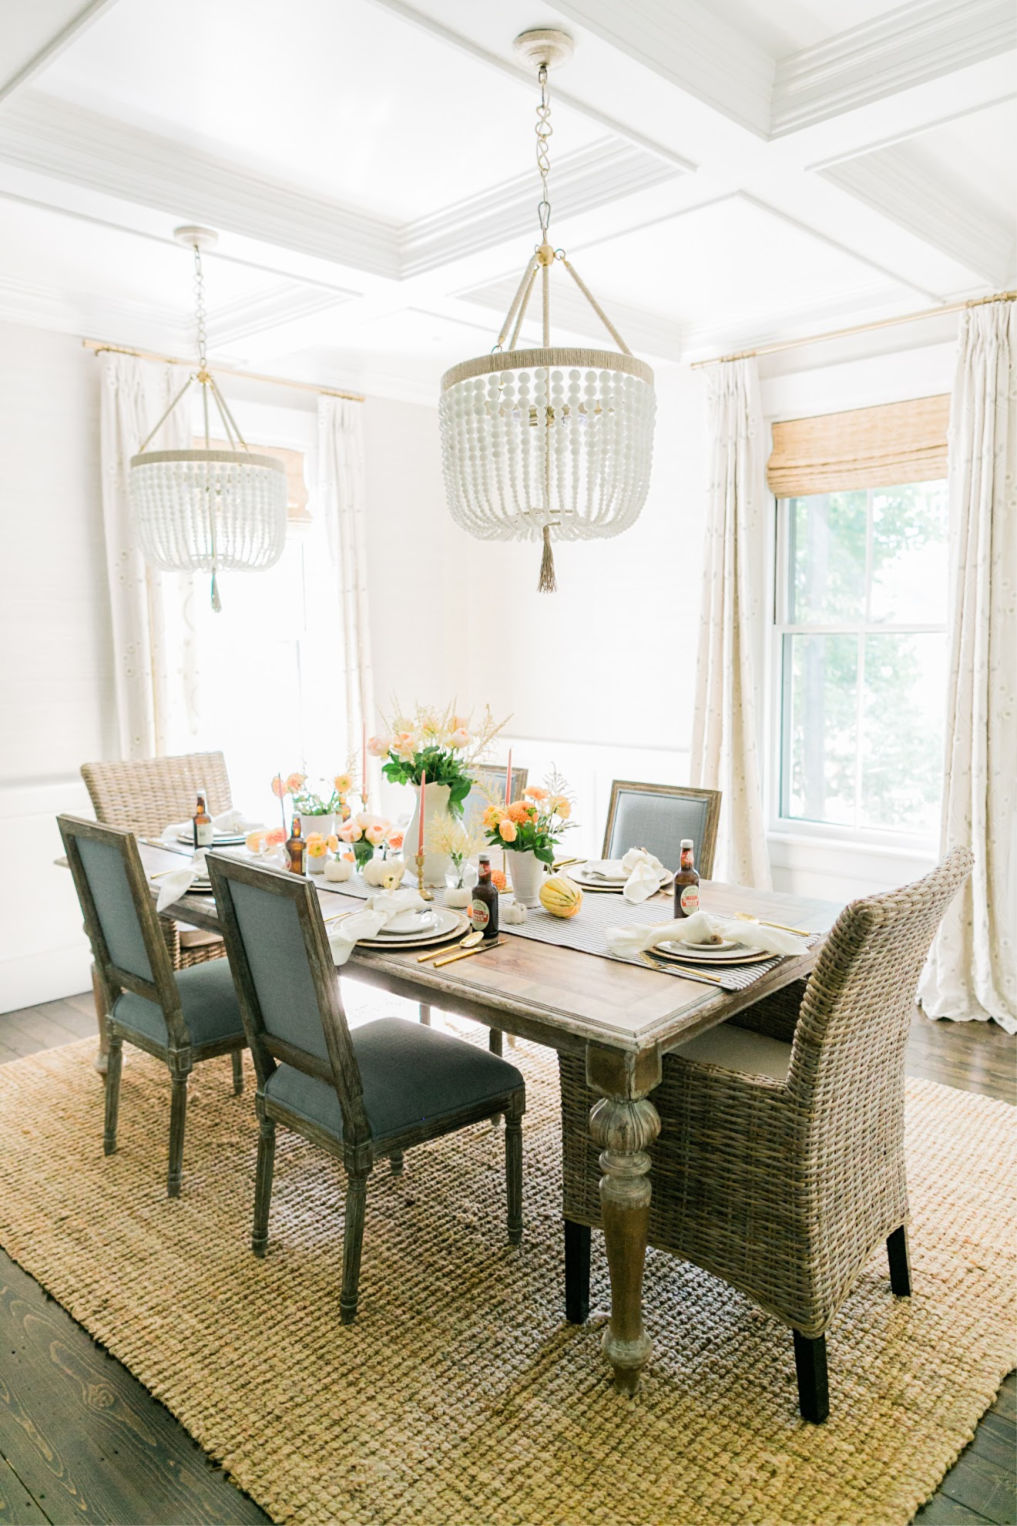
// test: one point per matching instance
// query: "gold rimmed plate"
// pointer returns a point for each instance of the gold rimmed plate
(716, 954)
(448, 925)
(596, 882)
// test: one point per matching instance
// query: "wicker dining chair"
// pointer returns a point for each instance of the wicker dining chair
(180, 1018)
(363, 1095)
(145, 795)
(657, 817)
(780, 1162)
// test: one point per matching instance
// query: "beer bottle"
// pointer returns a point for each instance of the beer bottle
(201, 822)
(296, 848)
(484, 905)
(686, 883)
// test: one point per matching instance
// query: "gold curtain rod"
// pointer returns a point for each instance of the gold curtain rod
(859, 328)
(100, 347)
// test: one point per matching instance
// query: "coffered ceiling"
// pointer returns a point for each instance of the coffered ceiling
(723, 173)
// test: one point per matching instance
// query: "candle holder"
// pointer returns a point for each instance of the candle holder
(425, 894)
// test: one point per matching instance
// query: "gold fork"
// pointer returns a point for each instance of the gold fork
(681, 969)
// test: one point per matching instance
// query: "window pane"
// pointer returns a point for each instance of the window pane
(902, 731)
(820, 727)
(826, 570)
(909, 570)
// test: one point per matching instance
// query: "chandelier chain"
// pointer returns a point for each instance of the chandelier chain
(199, 300)
(544, 131)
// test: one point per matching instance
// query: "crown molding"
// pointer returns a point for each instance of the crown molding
(38, 132)
(51, 307)
(908, 46)
(603, 172)
(645, 332)
(688, 45)
(896, 182)
(268, 310)
(54, 45)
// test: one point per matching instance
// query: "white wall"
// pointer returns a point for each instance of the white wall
(55, 676)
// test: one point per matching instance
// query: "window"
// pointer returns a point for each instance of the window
(861, 657)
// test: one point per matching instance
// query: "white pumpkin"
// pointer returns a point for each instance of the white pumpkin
(338, 869)
(384, 873)
(514, 913)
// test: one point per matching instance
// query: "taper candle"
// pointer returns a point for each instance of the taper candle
(420, 824)
(363, 764)
(508, 779)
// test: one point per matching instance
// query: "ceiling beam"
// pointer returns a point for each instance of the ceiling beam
(54, 44)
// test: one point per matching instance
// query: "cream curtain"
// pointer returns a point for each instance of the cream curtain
(340, 500)
(725, 749)
(972, 969)
(154, 667)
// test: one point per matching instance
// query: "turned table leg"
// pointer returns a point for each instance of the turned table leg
(624, 1123)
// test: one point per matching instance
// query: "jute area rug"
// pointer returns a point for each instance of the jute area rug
(460, 1396)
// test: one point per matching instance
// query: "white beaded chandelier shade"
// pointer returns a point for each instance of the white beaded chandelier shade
(204, 510)
(548, 443)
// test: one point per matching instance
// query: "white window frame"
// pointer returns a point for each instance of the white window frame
(778, 698)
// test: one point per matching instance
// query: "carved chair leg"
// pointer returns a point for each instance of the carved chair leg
(263, 1184)
(101, 1061)
(577, 1272)
(900, 1267)
(238, 1071)
(353, 1239)
(114, 1061)
(495, 1040)
(396, 1162)
(178, 1120)
(425, 1014)
(514, 1175)
(813, 1385)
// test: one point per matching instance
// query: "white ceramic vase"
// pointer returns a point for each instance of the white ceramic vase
(323, 825)
(526, 873)
(436, 797)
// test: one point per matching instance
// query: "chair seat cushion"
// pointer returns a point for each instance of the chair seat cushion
(412, 1076)
(738, 1049)
(207, 1000)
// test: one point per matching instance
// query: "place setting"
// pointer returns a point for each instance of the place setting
(729, 953)
(636, 876)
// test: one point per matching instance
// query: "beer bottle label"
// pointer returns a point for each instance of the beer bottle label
(689, 899)
(203, 833)
(479, 914)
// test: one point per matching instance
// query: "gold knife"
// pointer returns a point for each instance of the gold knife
(466, 953)
(680, 969)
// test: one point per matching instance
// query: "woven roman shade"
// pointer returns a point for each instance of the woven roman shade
(867, 447)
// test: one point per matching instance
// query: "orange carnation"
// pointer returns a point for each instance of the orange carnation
(519, 810)
(536, 792)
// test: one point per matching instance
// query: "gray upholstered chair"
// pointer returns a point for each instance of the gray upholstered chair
(362, 1095)
(780, 1162)
(181, 1019)
(657, 817)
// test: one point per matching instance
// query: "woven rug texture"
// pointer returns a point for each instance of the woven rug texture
(460, 1397)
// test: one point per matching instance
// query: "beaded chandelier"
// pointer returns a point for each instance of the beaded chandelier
(203, 510)
(547, 443)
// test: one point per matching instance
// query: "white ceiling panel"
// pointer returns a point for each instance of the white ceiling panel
(976, 153)
(338, 97)
(733, 261)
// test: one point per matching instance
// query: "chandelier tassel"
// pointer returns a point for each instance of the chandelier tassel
(548, 582)
(216, 601)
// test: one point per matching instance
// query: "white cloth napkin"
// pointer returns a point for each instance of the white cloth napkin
(644, 875)
(177, 883)
(630, 941)
(231, 823)
(380, 910)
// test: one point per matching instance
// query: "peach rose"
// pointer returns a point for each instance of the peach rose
(459, 738)
(278, 786)
(379, 747)
(254, 842)
(295, 782)
(536, 792)
(332, 843)
(507, 830)
(562, 808)
(395, 842)
(275, 838)
(375, 833)
(405, 746)
(350, 832)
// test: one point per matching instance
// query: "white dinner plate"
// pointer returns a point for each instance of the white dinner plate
(409, 924)
(448, 924)
(232, 840)
(577, 872)
(715, 953)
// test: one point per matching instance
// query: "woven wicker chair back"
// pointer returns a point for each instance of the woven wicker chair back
(146, 794)
(853, 1025)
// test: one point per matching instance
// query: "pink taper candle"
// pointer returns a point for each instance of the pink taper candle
(363, 763)
(508, 779)
(420, 824)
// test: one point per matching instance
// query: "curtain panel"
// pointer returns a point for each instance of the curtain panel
(340, 499)
(972, 969)
(154, 650)
(725, 748)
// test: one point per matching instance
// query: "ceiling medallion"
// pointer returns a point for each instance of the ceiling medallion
(547, 443)
(203, 510)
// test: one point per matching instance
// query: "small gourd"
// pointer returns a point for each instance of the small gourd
(561, 896)
(338, 869)
(384, 873)
(514, 913)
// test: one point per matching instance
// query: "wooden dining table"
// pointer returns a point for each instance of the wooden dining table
(621, 1017)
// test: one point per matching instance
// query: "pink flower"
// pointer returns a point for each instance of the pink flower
(459, 738)
(294, 782)
(375, 834)
(350, 832)
(405, 746)
(379, 747)
(275, 838)
(278, 786)
(395, 842)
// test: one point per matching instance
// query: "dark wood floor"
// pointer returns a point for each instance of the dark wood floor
(82, 1441)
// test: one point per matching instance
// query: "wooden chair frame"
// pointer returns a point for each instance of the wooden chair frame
(181, 1054)
(357, 1150)
(705, 849)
